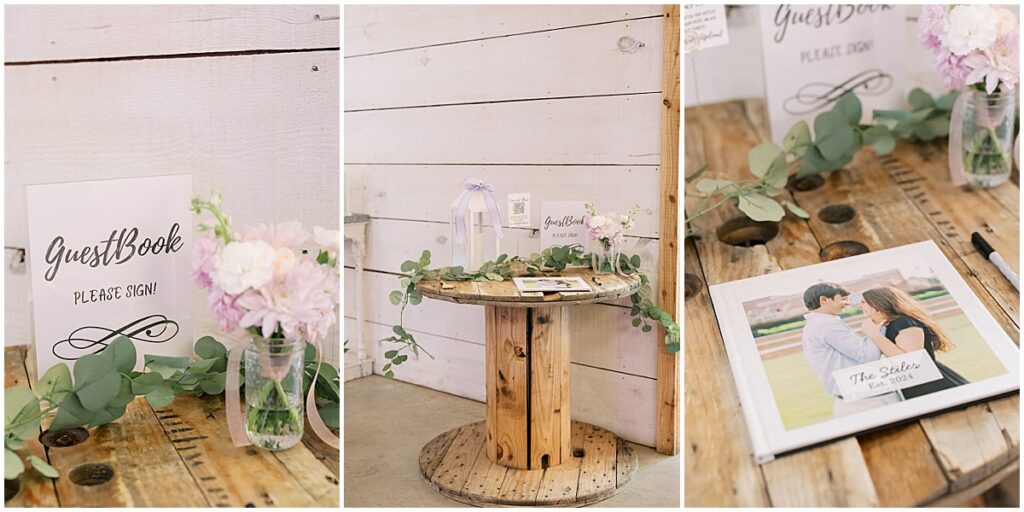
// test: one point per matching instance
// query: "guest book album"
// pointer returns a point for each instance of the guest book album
(110, 258)
(842, 347)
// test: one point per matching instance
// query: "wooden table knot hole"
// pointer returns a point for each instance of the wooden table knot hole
(744, 232)
(837, 213)
(806, 183)
(578, 453)
(842, 249)
(691, 285)
(63, 437)
(91, 474)
(11, 488)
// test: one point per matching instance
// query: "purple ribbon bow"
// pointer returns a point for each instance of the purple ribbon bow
(475, 185)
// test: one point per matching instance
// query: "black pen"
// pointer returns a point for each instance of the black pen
(987, 251)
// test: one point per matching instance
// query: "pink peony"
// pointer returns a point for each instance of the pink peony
(951, 68)
(285, 234)
(929, 26)
(203, 252)
(301, 302)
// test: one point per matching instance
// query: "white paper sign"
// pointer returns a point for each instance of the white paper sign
(815, 53)
(110, 258)
(561, 223)
(704, 27)
(519, 210)
(886, 375)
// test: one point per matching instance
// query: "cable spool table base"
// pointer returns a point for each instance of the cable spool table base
(456, 464)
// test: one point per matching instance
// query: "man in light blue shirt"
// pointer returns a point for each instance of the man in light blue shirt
(830, 344)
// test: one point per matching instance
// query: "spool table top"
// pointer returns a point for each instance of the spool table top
(504, 293)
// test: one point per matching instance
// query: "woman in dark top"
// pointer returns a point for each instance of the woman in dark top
(908, 327)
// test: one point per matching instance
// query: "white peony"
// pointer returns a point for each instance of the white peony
(242, 265)
(970, 27)
(284, 260)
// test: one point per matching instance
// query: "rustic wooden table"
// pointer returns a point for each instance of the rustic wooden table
(177, 456)
(872, 204)
(528, 452)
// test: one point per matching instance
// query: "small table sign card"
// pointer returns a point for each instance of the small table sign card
(704, 27)
(813, 54)
(886, 375)
(110, 258)
(561, 223)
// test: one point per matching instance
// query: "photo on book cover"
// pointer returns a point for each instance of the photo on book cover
(837, 348)
(551, 284)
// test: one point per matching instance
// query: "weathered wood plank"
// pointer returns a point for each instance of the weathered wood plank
(433, 453)
(834, 474)
(44, 33)
(485, 478)
(506, 339)
(458, 460)
(35, 489)
(561, 483)
(968, 443)
(506, 294)
(598, 472)
(903, 466)
(606, 130)
(528, 66)
(380, 28)
(1007, 413)
(668, 364)
(315, 477)
(549, 376)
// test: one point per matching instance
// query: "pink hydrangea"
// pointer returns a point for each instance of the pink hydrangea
(972, 44)
(284, 234)
(301, 302)
(225, 309)
(203, 251)
(929, 25)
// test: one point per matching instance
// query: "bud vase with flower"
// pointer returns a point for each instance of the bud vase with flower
(976, 49)
(608, 230)
(280, 285)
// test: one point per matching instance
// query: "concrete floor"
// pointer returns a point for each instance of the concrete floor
(387, 423)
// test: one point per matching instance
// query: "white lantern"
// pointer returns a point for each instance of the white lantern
(477, 215)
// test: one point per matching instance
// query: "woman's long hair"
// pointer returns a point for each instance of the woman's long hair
(893, 302)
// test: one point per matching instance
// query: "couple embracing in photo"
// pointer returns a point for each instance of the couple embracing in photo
(894, 324)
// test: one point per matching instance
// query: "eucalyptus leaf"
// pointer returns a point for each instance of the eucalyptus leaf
(838, 143)
(408, 266)
(122, 353)
(107, 415)
(22, 406)
(56, 383)
(42, 467)
(798, 135)
(761, 208)
(208, 348)
(946, 101)
(799, 212)
(710, 186)
(13, 466)
(330, 414)
(849, 107)
(760, 158)
(396, 297)
(96, 381)
(146, 383)
(71, 413)
(920, 100)
(160, 397)
(828, 122)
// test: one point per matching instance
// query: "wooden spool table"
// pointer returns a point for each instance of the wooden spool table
(872, 204)
(177, 456)
(528, 451)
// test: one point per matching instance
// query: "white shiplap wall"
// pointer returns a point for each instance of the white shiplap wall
(153, 98)
(537, 99)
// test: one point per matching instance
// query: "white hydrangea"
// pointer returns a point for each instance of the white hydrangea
(242, 265)
(970, 27)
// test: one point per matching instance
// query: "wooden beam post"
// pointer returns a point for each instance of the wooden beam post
(667, 430)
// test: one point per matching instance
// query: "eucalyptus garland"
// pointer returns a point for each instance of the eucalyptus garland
(838, 136)
(105, 383)
(644, 311)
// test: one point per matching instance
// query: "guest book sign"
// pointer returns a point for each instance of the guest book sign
(110, 258)
(561, 223)
(815, 53)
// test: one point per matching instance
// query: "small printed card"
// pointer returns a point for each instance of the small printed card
(562, 223)
(705, 27)
(519, 210)
(886, 375)
(110, 258)
(551, 284)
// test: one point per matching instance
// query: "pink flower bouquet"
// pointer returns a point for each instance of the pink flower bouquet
(609, 230)
(973, 45)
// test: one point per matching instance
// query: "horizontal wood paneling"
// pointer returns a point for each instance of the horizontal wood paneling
(620, 130)
(602, 336)
(622, 403)
(44, 33)
(378, 28)
(426, 192)
(263, 129)
(579, 62)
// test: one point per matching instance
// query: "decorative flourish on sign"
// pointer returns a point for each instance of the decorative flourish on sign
(818, 95)
(92, 339)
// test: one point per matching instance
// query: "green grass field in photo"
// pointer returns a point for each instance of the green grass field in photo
(802, 400)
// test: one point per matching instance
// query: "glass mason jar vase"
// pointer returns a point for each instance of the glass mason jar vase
(603, 260)
(988, 137)
(273, 392)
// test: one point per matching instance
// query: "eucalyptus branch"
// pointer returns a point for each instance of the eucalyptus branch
(504, 267)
